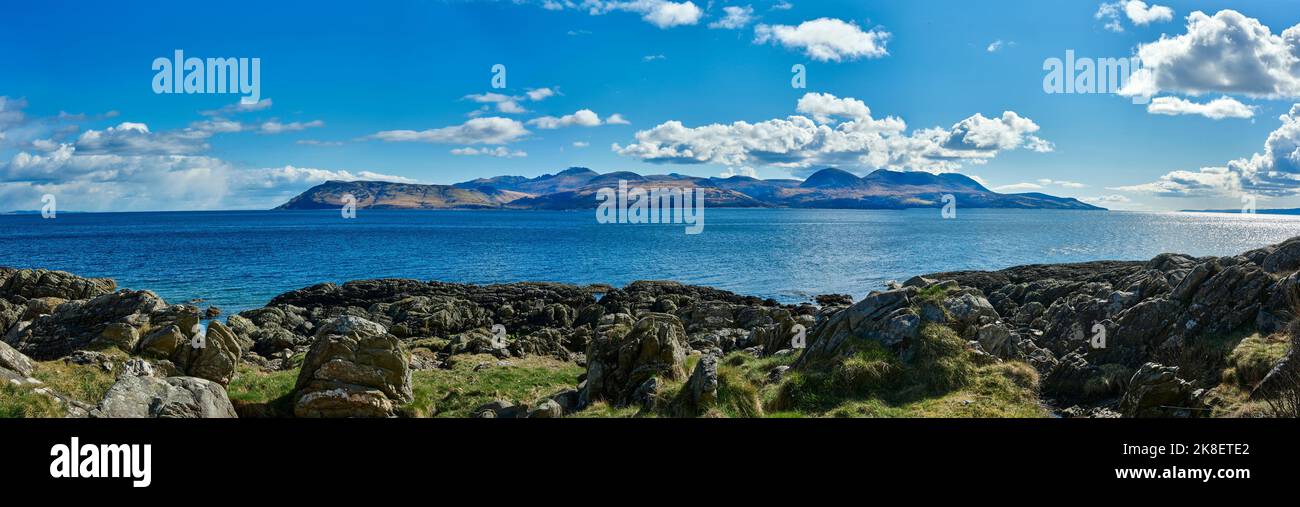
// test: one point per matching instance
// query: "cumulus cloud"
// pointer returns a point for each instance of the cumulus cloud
(131, 138)
(998, 45)
(499, 151)
(1273, 172)
(129, 166)
(1137, 11)
(1140, 14)
(539, 94)
(827, 108)
(660, 13)
(1224, 53)
(489, 130)
(826, 39)
(735, 17)
(580, 118)
(97, 182)
(840, 132)
(1217, 109)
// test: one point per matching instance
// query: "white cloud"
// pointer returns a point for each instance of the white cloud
(489, 130)
(826, 39)
(275, 127)
(11, 112)
(1137, 12)
(1061, 183)
(318, 142)
(1106, 199)
(499, 151)
(997, 45)
(275, 177)
(580, 118)
(1037, 185)
(736, 17)
(1217, 109)
(1017, 187)
(510, 104)
(740, 171)
(130, 138)
(782, 6)
(1274, 172)
(826, 108)
(616, 119)
(846, 135)
(239, 107)
(128, 167)
(651, 58)
(539, 94)
(581, 144)
(1225, 53)
(504, 103)
(661, 13)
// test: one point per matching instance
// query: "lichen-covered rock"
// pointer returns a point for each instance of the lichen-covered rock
(354, 369)
(621, 357)
(844, 333)
(214, 358)
(1156, 391)
(41, 283)
(546, 409)
(700, 391)
(77, 323)
(15, 360)
(172, 397)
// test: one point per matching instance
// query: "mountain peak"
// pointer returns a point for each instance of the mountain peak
(576, 171)
(831, 177)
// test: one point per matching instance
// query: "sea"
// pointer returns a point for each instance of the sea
(239, 260)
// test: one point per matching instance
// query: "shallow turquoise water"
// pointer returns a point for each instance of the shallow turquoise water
(239, 260)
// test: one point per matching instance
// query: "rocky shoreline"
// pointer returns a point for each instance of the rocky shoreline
(1175, 336)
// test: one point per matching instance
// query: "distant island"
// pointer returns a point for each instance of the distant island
(1280, 211)
(575, 188)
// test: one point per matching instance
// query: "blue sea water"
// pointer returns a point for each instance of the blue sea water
(241, 259)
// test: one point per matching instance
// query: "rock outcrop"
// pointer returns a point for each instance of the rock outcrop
(172, 397)
(355, 369)
(627, 353)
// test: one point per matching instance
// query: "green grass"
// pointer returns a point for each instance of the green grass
(23, 402)
(458, 390)
(932, 294)
(603, 410)
(257, 393)
(1205, 357)
(1253, 357)
(941, 379)
(84, 383)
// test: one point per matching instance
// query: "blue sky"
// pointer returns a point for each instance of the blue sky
(342, 80)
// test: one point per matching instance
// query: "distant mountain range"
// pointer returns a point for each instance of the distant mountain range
(575, 188)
